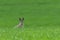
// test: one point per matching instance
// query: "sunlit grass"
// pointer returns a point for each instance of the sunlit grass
(30, 34)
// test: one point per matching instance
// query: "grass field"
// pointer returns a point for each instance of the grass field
(42, 19)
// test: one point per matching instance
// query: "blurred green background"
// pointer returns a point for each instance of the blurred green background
(38, 12)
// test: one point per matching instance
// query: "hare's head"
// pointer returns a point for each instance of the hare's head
(21, 19)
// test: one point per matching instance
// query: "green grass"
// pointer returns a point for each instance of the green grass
(42, 19)
(41, 33)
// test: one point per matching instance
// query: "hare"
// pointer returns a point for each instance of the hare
(21, 22)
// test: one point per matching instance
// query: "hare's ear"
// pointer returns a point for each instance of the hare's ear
(19, 18)
(23, 18)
